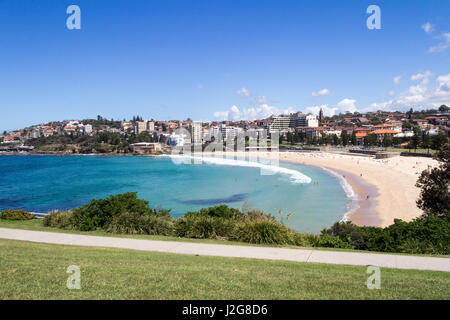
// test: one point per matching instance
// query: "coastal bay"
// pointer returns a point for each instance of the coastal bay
(390, 183)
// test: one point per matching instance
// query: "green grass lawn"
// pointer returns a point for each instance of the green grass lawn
(38, 271)
(390, 149)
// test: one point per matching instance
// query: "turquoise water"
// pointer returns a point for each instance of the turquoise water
(44, 183)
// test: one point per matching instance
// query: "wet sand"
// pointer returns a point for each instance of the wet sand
(365, 214)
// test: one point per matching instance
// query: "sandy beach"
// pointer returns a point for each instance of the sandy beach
(385, 187)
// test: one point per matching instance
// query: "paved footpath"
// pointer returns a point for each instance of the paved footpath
(218, 250)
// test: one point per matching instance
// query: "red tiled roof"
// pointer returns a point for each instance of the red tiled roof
(361, 134)
(384, 125)
(384, 131)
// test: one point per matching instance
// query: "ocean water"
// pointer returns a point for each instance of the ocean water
(313, 197)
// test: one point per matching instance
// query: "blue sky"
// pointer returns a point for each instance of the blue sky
(218, 59)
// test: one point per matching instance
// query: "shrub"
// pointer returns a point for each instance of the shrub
(16, 215)
(302, 239)
(59, 219)
(99, 212)
(222, 211)
(261, 231)
(423, 235)
(327, 241)
(204, 227)
(343, 230)
(135, 223)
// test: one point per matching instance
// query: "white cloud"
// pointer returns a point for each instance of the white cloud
(321, 93)
(259, 100)
(327, 111)
(261, 112)
(221, 115)
(443, 83)
(346, 105)
(418, 96)
(397, 79)
(342, 107)
(421, 76)
(243, 92)
(427, 27)
(443, 45)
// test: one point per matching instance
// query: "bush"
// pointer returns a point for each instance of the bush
(302, 239)
(429, 235)
(346, 230)
(98, 213)
(266, 231)
(16, 215)
(135, 223)
(327, 241)
(59, 219)
(204, 227)
(222, 211)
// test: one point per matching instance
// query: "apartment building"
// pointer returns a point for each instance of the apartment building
(196, 130)
(144, 125)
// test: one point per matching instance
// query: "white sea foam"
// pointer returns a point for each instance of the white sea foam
(294, 175)
(351, 195)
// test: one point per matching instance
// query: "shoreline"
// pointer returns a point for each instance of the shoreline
(364, 214)
(388, 183)
(362, 209)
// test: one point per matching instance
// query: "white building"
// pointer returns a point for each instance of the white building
(228, 132)
(331, 132)
(196, 130)
(88, 129)
(307, 120)
(283, 123)
(35, 134)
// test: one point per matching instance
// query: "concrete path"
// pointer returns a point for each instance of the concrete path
(218, 250)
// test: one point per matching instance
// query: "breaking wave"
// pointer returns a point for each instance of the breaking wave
(294, 175)
(351, 195)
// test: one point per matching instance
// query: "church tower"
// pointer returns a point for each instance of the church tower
(320, 115)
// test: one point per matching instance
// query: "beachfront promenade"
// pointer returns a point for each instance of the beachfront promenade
(236, 251)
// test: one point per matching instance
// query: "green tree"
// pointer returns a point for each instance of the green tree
(415, 139)
(444, 108)
(426, 141)
(410, 112)
(344, 138)
(387, 141)
(335, 139)
(354, 140)
(435, 185)
(438, 141)
(370, 140)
